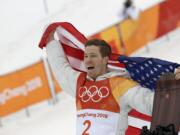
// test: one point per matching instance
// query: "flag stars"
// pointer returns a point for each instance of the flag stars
(148, 71)
(125, 61)
(150, 62)
(142, 68)
(146, 65)
(151, 72)
(155, 69)
(130, 65)
(142, 77)
(171, 67)
(147, 74)
(137, 70)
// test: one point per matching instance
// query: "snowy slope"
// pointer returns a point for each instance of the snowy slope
(44, 120)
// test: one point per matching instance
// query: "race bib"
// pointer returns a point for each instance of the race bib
(96, 122)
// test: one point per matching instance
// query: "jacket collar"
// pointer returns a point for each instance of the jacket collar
(109, 74)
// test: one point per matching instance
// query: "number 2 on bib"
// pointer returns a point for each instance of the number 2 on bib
(86, 123)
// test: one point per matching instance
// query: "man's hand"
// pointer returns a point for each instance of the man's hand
(177, 73)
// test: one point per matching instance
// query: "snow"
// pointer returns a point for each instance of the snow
(45, 119)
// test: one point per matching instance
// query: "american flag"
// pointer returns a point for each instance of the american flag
(145, 71)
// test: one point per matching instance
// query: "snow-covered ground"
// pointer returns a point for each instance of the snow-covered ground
(45, 119)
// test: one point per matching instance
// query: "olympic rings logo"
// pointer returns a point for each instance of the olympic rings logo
(93, 93)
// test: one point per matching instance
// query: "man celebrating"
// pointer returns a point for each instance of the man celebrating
(103, 97)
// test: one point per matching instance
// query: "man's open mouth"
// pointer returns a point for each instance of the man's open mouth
(90, 68)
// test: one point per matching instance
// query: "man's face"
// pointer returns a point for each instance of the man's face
(95, 64)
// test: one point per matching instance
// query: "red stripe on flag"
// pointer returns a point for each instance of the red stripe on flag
(73, 52)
